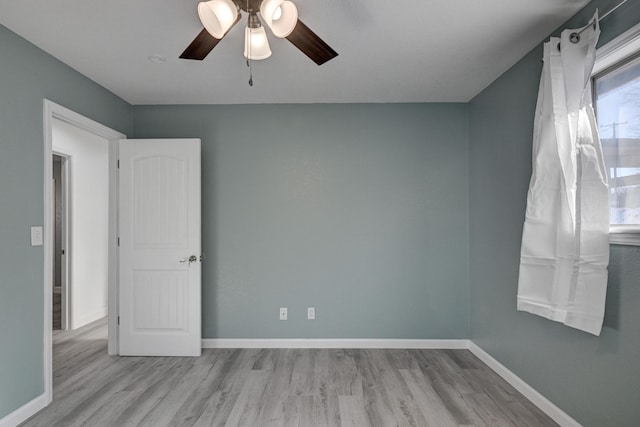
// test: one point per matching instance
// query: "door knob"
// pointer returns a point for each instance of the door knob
(191, 259)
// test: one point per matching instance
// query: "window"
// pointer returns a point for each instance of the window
(616, 88)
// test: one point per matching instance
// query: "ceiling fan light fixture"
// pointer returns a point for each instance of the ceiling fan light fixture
(256, 45)
(218, 16)
(280, 15)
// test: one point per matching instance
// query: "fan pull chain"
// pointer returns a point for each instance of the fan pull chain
(249, 47)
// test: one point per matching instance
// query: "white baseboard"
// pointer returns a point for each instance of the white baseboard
(334, 343)
(545, 405)
(24, 412)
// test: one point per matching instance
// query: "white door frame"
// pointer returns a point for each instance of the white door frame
(53, 111)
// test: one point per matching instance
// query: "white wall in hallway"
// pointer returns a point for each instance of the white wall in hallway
(88, 165)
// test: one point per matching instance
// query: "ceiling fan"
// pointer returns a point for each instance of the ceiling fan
(281, 16)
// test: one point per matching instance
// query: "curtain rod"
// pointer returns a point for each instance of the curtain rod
(613, 9)
(575, 36)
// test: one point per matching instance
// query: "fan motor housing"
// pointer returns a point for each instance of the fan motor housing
(254, 5)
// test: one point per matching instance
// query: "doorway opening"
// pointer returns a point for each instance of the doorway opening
(84, 305)
(86, 257)
(59, 291)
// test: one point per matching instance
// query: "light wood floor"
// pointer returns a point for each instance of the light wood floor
(276, 387)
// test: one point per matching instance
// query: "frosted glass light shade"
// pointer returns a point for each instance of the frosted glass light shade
(280, 15)
(256, 45)
(217, 16)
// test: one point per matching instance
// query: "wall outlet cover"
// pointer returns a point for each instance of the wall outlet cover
(283, 313)
(311, 313)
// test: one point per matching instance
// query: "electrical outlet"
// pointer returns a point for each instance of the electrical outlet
(311, 313)
(283, 313)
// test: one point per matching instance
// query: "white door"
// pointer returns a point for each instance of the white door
(159, 217)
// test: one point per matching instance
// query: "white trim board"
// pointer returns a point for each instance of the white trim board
(334, 343)
(544, 404)
(623, 46)
(624, 236)
(24, 412)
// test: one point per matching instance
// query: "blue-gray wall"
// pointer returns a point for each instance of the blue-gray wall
(594, 379)
(27, 76)
(357, 210)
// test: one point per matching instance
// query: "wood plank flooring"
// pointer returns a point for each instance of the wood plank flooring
(277, 387)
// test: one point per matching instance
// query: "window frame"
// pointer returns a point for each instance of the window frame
(616, 53)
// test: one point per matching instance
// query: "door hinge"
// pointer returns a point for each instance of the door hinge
(118, 241)
(118, 163)
(118, 320)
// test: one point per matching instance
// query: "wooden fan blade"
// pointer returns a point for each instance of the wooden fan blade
(203, 44)
(310, 44)
(200, 46)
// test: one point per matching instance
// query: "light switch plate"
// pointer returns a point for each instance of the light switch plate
(36, 236)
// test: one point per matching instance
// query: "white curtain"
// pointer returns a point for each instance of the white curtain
(565, 242)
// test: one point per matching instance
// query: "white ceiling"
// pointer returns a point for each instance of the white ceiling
(389, 51)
